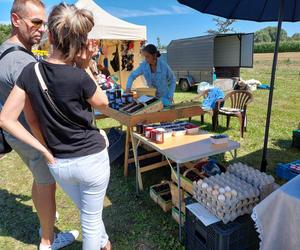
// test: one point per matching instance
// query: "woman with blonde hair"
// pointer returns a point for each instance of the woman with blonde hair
(61, 92)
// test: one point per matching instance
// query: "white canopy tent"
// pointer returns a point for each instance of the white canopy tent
(113, 32)
(108, 27)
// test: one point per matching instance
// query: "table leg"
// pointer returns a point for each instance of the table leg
(179, 195)
(138, 176)
(126, 155)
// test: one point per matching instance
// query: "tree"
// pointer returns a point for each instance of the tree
(222, 26)
(268, 34)
(262, 37)
(296, 37)
(158, 42)
(5, 30)
(159, 45)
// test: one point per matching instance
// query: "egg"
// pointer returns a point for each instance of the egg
(234, 193)
(221, 197)
(228, 195)
(221, 190)
(215, 192)
(216, 187)
(227, 189)
(204, 185)
(209, 190)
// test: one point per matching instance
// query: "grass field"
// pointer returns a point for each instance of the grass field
(136, 223)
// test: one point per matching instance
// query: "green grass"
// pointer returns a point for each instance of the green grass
(135, 222)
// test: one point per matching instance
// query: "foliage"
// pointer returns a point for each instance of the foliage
(222, 26)
(268, 34)
(288, 46)
(5, 30)
(296, 37)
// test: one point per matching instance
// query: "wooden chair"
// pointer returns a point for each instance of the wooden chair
(239, 99)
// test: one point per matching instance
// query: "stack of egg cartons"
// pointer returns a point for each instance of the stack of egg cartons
(226, 196)
(260, 180)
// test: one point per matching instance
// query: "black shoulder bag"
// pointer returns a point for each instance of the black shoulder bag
(4, 146)
(44, 89)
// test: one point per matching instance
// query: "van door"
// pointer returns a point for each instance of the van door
(247, 44)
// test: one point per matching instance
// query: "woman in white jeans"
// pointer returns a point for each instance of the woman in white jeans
(75, 150)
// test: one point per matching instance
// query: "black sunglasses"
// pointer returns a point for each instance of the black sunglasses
(37, 23)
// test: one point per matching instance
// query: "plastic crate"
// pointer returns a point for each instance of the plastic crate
(237, 235)
(296, 138)
(116, 147)
(283, 171)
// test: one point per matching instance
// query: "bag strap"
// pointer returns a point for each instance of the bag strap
(49, 99)
(16, 48)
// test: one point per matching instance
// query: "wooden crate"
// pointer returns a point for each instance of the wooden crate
(145, 91)
(165, 204)
(155, 194)
(186, 183)
(175, 215)
(175, 197)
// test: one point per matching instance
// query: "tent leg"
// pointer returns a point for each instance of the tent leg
(264, 161)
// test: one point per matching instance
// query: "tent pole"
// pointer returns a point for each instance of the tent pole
(120, 64)
(264, 161)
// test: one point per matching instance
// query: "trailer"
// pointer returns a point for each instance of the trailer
(194, 60)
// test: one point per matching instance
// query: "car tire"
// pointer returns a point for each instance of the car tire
(184, 85)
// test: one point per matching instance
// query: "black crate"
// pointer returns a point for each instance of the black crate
(237, 235)
(116, 147)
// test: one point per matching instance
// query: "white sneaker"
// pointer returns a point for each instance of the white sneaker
(61, 240)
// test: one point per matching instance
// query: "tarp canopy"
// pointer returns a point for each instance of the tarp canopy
(108, 27)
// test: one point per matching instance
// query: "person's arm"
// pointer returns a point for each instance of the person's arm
(134, 74)
(172, 80)
(32, 121)
(99, 99)
(203, 93)
(9, 121)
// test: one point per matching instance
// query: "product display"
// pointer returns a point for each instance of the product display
(165, 130)
(226, 196)
(262, 181)
(117, 100)
(142, 105)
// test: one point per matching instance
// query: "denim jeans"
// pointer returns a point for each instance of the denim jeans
(85, 180)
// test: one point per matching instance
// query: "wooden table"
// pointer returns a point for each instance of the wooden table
(177, 112)
(180, 150)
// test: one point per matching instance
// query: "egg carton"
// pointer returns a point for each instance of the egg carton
(218, 194)
(262, 181)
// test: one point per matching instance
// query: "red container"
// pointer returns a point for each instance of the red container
(148, 132)
(153, 135)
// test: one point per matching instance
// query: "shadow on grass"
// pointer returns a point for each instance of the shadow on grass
(284, 144)
(18, 221)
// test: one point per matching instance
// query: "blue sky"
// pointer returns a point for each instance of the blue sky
(166, 19)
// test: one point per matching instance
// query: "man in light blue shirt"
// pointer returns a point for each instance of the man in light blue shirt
(157, 73)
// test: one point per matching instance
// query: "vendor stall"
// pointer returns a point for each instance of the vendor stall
(130, 121)
(120, 42)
